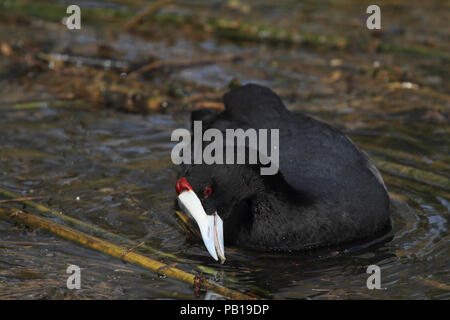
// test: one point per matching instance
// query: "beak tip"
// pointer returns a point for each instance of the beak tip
(211, 226)
(213, 255)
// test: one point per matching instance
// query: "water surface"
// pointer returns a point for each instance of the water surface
(113, 169)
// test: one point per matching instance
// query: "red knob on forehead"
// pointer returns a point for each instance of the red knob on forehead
(182, 185)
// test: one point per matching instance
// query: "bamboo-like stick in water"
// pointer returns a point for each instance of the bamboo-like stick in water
(119, 252)
(85, 226)
(99, 232)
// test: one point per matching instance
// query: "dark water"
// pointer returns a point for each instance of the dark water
(119, 167)
(113, 169)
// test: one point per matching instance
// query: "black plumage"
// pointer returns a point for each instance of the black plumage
(327, 191)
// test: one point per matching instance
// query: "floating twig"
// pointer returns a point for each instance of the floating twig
(21, 199)
(97, 231)
(179, 63)
(209, 105)
(148, 11)
(132, 248)
(88, 61)
(119, 252)
(87, 227)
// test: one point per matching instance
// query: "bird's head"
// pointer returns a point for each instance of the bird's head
(212, 194)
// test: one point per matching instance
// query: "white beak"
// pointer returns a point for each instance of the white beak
(211, 226)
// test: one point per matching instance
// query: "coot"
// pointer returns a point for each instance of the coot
(327, 192)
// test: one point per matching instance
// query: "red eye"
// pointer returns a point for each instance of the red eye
(207, 191)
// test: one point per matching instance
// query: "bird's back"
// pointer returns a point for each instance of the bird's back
(315, 159)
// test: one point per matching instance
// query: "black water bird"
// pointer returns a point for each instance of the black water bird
(327, 191)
